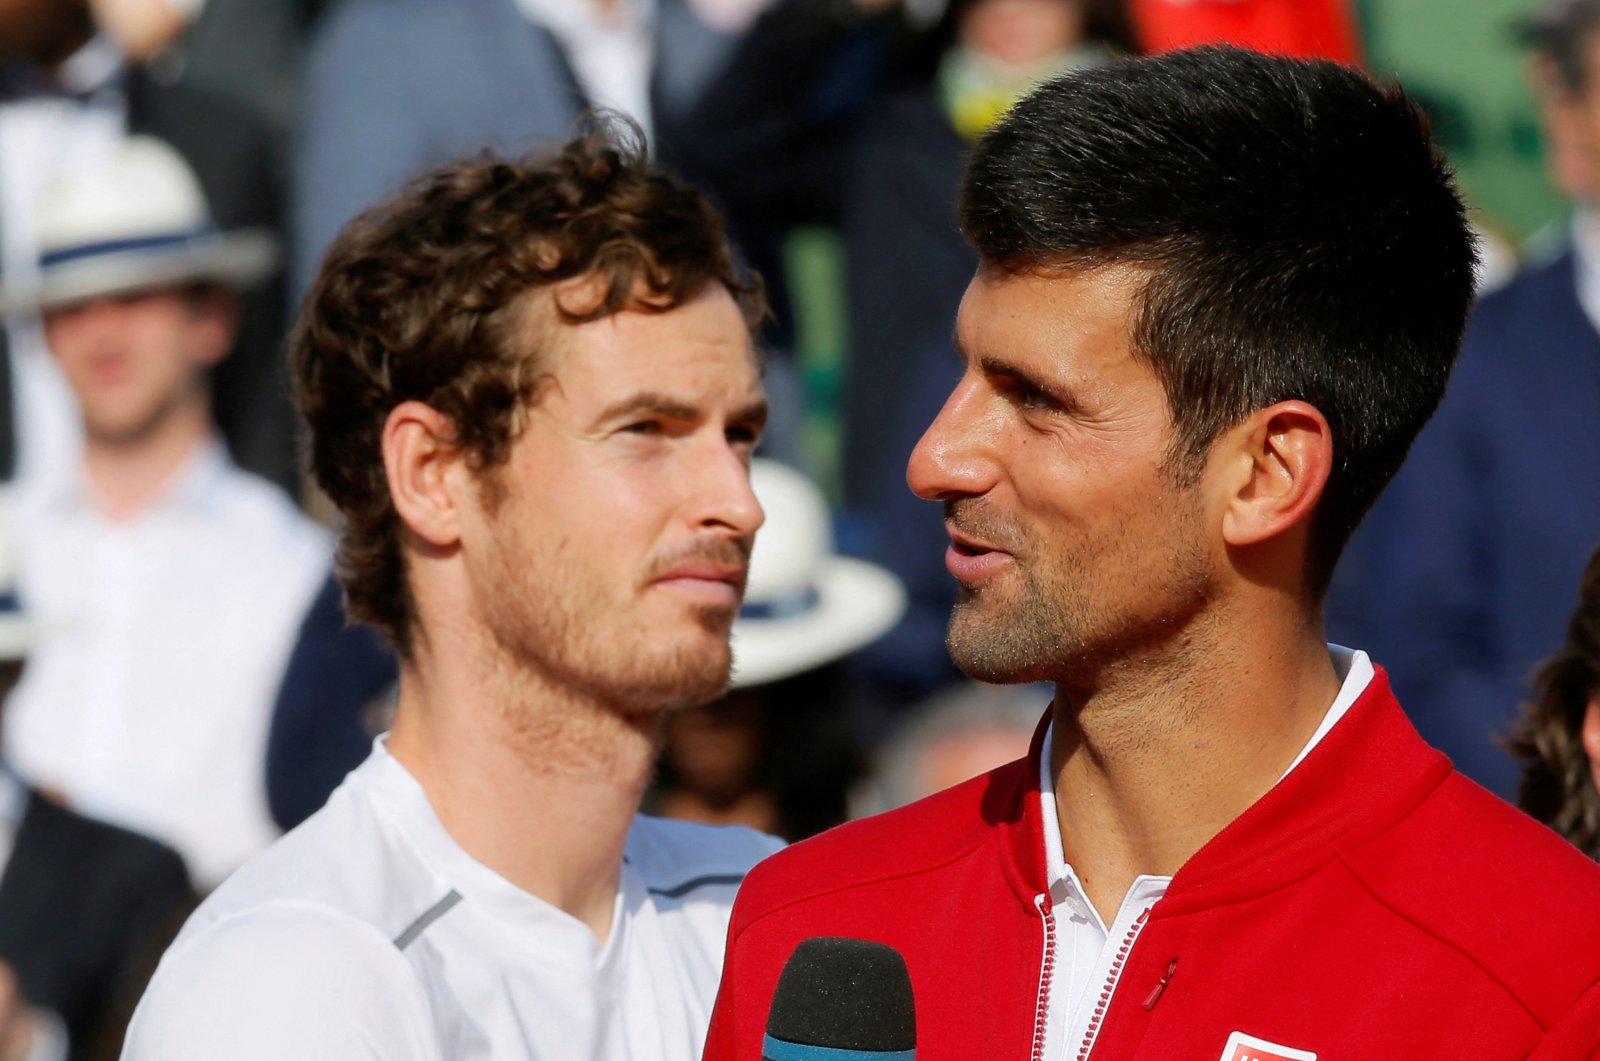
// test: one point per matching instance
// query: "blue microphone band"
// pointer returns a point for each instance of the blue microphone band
(781, 1050)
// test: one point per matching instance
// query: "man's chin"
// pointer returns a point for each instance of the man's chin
(990, 652)
(684, 681)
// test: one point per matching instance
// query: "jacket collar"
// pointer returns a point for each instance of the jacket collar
(1011, 802)
(1366, 774)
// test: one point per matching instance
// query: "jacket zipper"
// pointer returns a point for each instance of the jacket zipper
(1093, 1031)
(1047, 968)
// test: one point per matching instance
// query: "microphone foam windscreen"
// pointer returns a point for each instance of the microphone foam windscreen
(844, 994)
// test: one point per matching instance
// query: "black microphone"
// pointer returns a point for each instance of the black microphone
(841, 999)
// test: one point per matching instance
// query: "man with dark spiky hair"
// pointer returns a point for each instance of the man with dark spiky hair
(533, 395)
(1218, 295)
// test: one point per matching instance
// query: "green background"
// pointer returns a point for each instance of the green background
(1460, 59)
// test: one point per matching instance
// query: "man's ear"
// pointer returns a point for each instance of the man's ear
(1276, 464)
(423, 462)
(1590, 736)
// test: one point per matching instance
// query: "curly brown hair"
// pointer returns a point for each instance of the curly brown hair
(420, 298)
(1557, 783)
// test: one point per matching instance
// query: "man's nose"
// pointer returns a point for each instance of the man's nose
(728, 498)
(951, 459)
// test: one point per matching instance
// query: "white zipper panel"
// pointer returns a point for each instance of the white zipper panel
(1118, 963)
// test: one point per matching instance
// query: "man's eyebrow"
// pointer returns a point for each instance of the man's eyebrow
(654, 403)
(650, 403)
(997, 366)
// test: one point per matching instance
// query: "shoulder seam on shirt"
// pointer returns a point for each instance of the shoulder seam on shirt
(677, 891)
(1428, 931)
(433, 913)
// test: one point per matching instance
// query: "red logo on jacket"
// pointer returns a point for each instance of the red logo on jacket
(1242, 1047)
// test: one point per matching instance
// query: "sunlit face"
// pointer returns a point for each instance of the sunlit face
(135, 360)
(609, 553)
(1072, 541)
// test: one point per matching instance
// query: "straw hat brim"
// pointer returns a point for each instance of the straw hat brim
(234, 259)
(857, 603)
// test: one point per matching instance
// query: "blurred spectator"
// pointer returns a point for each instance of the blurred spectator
(1460, 577)
(967, 730)
(170, 582)
(394, 87)
(246, 50)
(777, 752)
(1558, 738)
(337, 695)
(841, 114)
(67, 97)
(85, 908)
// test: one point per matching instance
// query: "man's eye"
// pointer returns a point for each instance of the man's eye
(744, 436)
(643, 427)
(1023, 395)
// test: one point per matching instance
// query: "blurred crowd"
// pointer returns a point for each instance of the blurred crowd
(180, 681)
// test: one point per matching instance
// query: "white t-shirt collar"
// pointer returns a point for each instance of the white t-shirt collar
(572, 942)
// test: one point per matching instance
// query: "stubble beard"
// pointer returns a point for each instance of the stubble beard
(558, 635)
(1045, 623)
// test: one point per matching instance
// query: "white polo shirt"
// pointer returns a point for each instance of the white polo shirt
(164, 638)
(1084, 963)
(368, 932)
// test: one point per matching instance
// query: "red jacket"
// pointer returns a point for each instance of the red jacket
(1373, 905)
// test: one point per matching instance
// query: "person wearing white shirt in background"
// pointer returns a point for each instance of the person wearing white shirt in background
(533, 396)
(85, 907)
(170, 583)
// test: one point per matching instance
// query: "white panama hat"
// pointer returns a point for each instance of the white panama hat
(804, 605)
(137, 219)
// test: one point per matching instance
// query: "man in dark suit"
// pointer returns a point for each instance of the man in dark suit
(1465, 571)
(85, 907)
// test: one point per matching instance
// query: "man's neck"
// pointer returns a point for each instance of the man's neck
(533, 782)
(1164, 754)
(126, 474)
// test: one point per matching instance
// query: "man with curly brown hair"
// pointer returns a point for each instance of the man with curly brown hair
(533, 395)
